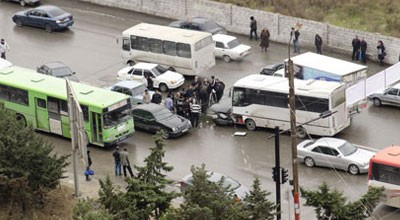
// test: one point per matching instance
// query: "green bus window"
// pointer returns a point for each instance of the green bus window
(41, 103)
(85, 112)
(4, 92)
(18, 96)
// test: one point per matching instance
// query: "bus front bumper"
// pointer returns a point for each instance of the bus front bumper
(120, 139)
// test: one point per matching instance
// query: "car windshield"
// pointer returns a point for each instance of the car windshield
(209, 25)
(116, 116)
(55, 12)
(230, 183)
(347, 149)
(158, 70)
(138, 90)
(163, 114)
(233, 43)
(61, 72)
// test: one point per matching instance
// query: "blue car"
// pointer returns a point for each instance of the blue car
(47, 16)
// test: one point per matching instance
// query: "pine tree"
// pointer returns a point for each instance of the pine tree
(257, 204)
(333, 205)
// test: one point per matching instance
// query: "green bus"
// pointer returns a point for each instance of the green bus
(41, 101)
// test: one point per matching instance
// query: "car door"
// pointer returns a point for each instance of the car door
(219, 49)
(136, 74)
(151, 122)
(391, 97)
(138, 117)
(31, 18)
(156, 81)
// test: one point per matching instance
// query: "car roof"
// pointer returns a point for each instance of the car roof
(145, 65)
(331, 142)
(200, 19)
(56, 64)
(130, 84)
(151, 107)
(223, 38)
(47, 7)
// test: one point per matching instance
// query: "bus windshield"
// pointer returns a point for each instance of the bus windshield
(116, 116)
(385, 173)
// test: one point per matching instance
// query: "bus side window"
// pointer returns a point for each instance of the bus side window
(126, 44)
(169, 48)
(183, 50)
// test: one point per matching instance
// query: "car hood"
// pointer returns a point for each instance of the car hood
(223, 106)
(241, 48)
(377, 92)
(174, 121)
(169, 75)
(361, 156)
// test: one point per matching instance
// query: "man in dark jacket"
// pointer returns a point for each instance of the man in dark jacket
(157, 98)
(363, 47)
(356, 46)
(253, 28)
(318, 43)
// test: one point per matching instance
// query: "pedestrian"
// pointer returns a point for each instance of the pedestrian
(363, 48)
(3, 48)
(381, 52)
(179, 104)
(203, 97)
(124, 155)
(157, 98)
(146, 97)
(149, 81)
(219, 89)
(88, 171)
(318, 43)
(117, 162)
(189, 91)
(195, 110)
(264, 37)
(253, 28)
(296, 44)
(356, 47)
(169, 103)
(196, 84)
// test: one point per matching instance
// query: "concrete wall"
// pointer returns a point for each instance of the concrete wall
(236, 19)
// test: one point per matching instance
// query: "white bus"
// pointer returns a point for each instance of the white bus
(186, 51)
(262, 101)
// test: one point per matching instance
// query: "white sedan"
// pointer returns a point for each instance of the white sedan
(229, 48)
(163, 79)
(334, 153)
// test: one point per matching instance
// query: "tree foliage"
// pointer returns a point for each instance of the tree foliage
(28, 168)
(89, 209)
(332, 205)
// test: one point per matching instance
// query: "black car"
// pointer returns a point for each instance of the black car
(57, 69)
(48, 17)
(25, 2)
(199, 24)
(153, 117)
(271, 69)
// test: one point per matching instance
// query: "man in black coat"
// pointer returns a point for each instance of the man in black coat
(157, 98)
(356, 46)
(363, 47)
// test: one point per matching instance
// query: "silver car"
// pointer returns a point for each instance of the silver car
(235, 187)
(334, 153)
(134, 89)
(388, 96)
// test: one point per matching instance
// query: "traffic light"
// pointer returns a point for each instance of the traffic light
(274, 174)
(284, 175)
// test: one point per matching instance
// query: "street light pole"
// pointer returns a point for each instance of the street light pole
(293, 135)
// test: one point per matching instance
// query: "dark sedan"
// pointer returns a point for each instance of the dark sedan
(57, 69)
(199, 24)
(271, 69)
(153, 117)
(47, 16)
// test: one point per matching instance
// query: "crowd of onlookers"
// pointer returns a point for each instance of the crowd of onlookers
(191, 101)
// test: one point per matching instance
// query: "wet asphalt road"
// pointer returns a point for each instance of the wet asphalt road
(90, 49)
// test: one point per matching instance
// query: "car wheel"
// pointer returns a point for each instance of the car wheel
(165, 133)
(250, 124)
(18, 22)
(308, 161)
(353, 169)
(21, 119)
(48, 28)
(163, 87)
(301, 132)
(22, 3)
(130, 62)
(227, 58)
(377, 102)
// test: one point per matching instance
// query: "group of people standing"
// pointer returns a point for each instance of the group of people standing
(193, 100)
(264, 35)
(360, 50)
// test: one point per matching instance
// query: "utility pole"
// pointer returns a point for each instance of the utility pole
(276, 175)
(293, 135)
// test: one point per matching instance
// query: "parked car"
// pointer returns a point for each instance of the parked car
(24, 2)
(57, 69)
(132, 88)
(234, 186)
(199, 24)
(154, 117)
(48, 17)
(221, 112)
(388, 96)
(229, 48)
(163, 78)
(271, 69)
(334, 153)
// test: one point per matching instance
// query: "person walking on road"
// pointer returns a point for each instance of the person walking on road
(355, 43)
(117, 161)
(253, 28)
(88, 171)
(3, 48)
(318, 43)
(381, 52)
(124, 155)
(363, 48)
(264, 37)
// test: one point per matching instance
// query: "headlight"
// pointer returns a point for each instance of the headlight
(174, 130)
(58, 21)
